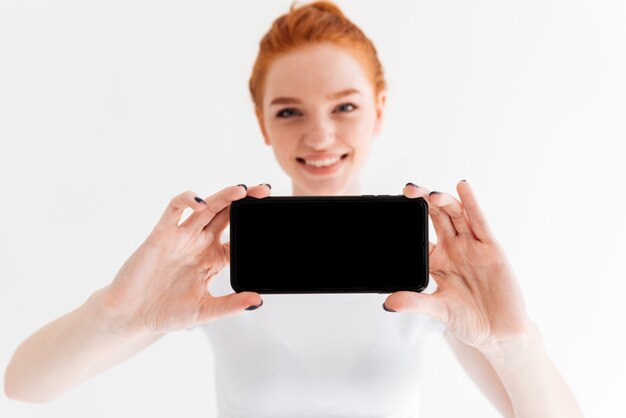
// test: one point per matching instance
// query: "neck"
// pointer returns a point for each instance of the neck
(353, 189)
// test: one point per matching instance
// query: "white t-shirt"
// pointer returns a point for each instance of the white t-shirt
(318, 355)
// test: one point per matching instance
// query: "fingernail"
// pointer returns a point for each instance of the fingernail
(412, 184)
(385, 308)
(251, 308)
(199, 200)
(433, 192)
(267, 184)
(244, 186)
(463, 180)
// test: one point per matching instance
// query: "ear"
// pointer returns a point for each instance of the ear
(380, 110)
(259, 116)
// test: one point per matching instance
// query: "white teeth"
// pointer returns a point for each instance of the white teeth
(323, 163)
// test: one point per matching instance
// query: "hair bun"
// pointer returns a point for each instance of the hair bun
(325, 6)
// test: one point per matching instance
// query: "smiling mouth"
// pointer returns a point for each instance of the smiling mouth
(301, 160)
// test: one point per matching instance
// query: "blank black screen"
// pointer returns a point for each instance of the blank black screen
(334, 244)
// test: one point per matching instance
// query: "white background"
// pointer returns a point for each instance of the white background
(108, 109)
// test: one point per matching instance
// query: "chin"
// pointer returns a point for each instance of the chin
(329, 187)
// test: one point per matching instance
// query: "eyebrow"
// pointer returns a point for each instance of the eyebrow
(292, 100)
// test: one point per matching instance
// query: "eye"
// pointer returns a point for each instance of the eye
(346, 104)
(281, 113)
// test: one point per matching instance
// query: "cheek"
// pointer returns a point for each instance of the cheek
(358, 133)
(283, 142)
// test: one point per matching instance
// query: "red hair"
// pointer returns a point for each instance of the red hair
(320, 21)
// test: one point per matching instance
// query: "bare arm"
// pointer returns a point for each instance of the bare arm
(69, 350)
(482, 373)
(162, 287)
(479, 298)
(534, 385)
(519, 379)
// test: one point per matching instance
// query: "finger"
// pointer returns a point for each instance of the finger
(455, 211)
(413, 191)
(476, 218)
(216, 227)
(216, 307)
(441, 221)
(214, 204)
(200, 222)
(432, 305)
(172, 214)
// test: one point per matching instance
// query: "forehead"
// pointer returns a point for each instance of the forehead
(314, 71)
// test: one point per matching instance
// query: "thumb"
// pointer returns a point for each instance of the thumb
(429, 304)
(217, 307)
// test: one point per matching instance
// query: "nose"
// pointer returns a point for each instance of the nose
(320, 133)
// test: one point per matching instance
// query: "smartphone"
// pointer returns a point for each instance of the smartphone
(329, 244)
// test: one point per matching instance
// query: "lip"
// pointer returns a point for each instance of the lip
(323, 171)
(321, 156)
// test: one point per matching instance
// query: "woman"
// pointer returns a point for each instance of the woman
(319, 95)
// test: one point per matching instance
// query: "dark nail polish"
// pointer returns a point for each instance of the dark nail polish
(267, 184)
(251, 308)
(433, 192)
(199, 200)
(244, 186)
(385, 308)
(463, 180)
(415, 185)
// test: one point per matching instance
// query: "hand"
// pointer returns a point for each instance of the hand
(163, 286)
(477, 295)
